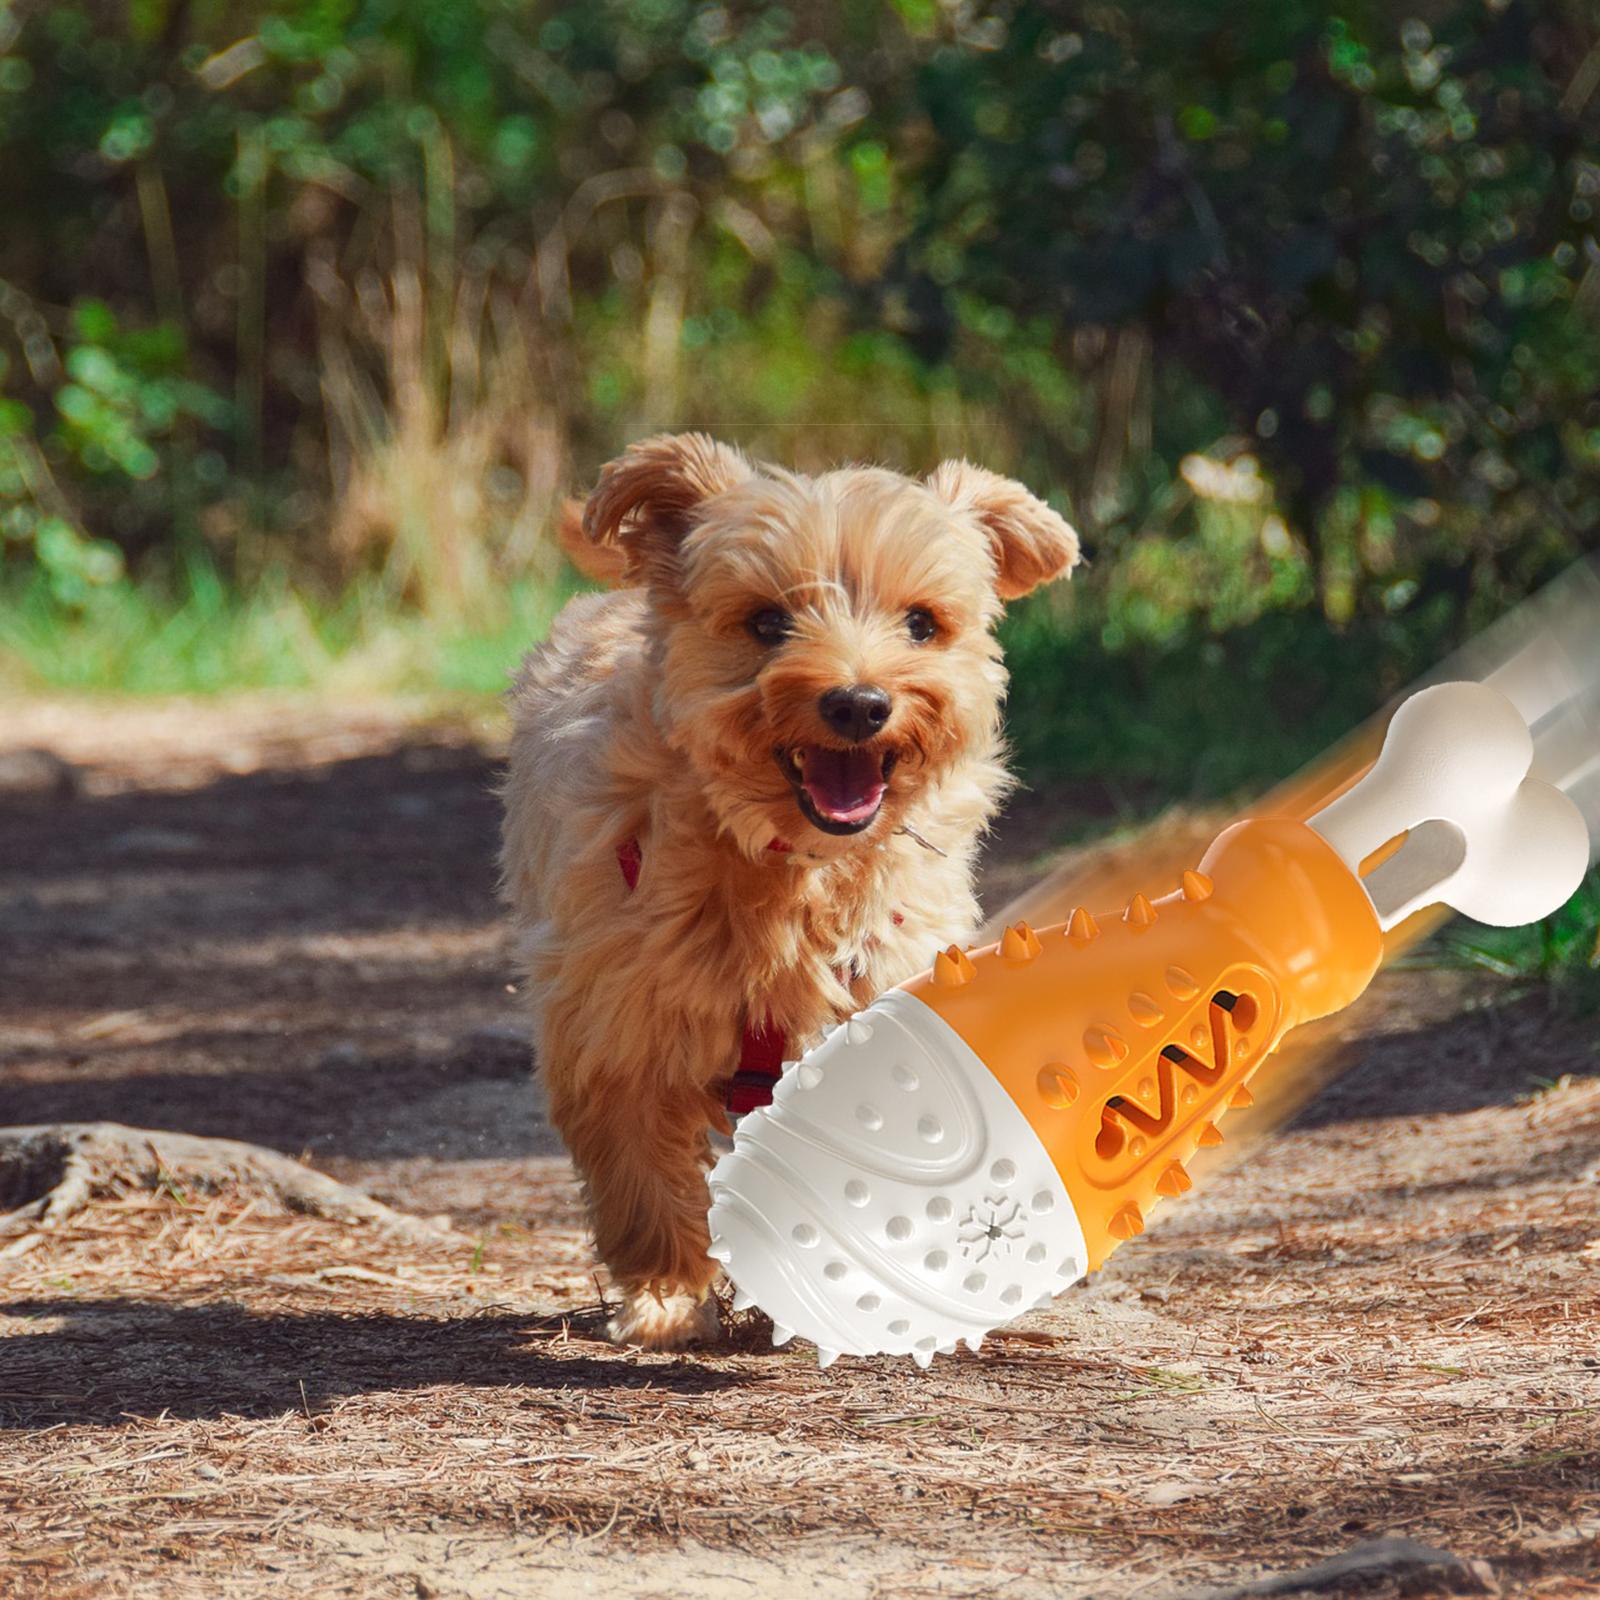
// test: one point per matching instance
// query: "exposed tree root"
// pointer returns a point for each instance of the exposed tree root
(49, 1173)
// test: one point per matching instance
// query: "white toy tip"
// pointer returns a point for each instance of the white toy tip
(1477, 831)
(781, 1334)
(826, 1358)
(923, 1358)
(974, 1342)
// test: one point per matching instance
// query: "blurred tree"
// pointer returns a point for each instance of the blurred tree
(1367, 237)
(1295, 303)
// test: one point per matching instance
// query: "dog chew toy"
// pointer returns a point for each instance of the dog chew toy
(973, 1142)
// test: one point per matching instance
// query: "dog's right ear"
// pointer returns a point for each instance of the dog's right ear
(646, 499)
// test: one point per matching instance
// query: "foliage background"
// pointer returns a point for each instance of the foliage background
(311, 311)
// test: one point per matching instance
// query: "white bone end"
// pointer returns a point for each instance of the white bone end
(1483, 836)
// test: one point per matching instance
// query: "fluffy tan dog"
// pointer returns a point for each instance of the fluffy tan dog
(744, 796)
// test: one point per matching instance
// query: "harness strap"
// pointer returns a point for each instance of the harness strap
(764, 1048)
(762, 1051)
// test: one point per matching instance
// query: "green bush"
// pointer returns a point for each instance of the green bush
(1292, 307)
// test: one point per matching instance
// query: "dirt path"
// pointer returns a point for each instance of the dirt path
(278, 925)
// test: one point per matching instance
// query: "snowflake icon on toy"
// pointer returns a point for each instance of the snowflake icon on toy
(989, 1229)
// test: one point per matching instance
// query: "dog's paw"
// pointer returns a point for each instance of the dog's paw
(670, 1323)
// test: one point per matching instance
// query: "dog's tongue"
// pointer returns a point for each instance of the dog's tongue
(844, 785)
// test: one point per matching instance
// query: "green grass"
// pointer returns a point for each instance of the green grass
(205, 636)
(1562, 952)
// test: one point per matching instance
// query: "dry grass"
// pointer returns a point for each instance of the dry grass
(446, 436)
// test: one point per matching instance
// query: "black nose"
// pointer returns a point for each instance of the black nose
(857, 712)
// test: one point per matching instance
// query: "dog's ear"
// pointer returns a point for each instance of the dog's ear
(646, 499)
(1031, 543)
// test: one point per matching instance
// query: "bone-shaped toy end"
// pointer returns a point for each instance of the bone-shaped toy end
(1481, 835)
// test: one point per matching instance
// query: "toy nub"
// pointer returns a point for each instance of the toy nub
(973, 1142)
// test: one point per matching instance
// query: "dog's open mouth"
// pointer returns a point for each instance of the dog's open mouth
(840, 791)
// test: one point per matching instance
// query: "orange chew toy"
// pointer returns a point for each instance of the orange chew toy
(974, 1141)
(1156, 1016)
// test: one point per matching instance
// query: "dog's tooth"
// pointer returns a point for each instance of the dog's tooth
(743, 1300)
(781, 1334)
(826, 1358)
(858, 1030)
(718, 1251)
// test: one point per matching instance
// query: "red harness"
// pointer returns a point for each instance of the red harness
(761, 1054)
(764, 1048)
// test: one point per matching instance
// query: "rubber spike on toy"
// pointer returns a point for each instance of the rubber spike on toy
(1057, 1085)
(1081, 927)
(825, 1358)
(1182, 985)
(742, 1301)
(923, 1358)
(1210, 1135)
(1197, 886)
(857, 1030)
(719, 1251)
(1140, 912)
(1174, 1181)
(1020, 943)
(1105, 1047)
(953, 967)
(1240, 1098)
(1144, 1009)
(781, 1334)
(1128, 1222)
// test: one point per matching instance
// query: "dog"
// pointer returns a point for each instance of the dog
(745, 793)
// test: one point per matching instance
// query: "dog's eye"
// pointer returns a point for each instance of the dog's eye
(921, 625)
(770, 626)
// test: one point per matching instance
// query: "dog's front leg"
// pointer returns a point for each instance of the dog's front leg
(640, 1145)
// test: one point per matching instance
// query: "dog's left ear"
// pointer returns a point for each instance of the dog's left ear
(1031, 543)
(646, 499)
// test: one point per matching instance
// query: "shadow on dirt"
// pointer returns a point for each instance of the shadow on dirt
(121, 1359)
(370, 842)
(313, 959)
(479, 1102)
(1493, 1056)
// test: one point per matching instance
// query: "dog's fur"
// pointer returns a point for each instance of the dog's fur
(653, 714)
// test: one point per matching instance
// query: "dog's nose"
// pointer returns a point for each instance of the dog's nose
(856, 713)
